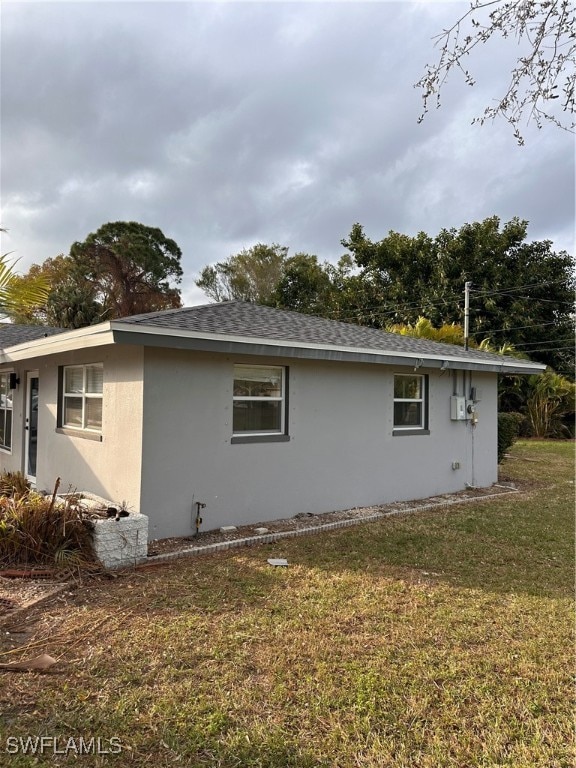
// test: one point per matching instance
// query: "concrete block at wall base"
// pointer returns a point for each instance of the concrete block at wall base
(121, 543)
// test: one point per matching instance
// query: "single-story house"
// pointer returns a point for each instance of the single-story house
(257, 413)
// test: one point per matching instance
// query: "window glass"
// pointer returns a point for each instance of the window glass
(73, 412)
(409, 402)
(74, 380)
(258, 401)
(5, 411)
(257, 416)
(82, 397)
(407, 414)
(257, 381)
(8, 430)
(93, 413)
(94, 379)
(408, 387)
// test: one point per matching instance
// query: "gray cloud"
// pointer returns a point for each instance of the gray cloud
(229, 124)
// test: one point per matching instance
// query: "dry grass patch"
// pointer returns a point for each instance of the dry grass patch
(439, 639)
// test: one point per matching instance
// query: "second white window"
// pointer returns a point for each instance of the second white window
(409, 402)
(82, 397)
(258, 407)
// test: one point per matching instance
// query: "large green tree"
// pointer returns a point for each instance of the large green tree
(250, 275)
(130, 267)
(522, 292)
(336, 291)
(306, 285)
(122, 269)
(71, 302)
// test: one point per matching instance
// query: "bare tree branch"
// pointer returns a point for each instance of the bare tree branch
(541, 84)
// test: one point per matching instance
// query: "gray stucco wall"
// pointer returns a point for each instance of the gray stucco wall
(110, 468)
(341, 452)
(167, 427)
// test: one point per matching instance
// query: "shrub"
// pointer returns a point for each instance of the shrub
(36, 531)
(550, 405)
(508, 431)
(12, 483)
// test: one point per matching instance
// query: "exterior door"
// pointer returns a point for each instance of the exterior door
(31, 426)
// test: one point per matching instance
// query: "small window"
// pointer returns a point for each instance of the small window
(258, 400)
(410, 409)
(82, 397)
(5, 412)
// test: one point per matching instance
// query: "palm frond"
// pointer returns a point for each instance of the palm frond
(16, 292)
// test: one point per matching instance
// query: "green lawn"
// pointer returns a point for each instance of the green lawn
(438, 639)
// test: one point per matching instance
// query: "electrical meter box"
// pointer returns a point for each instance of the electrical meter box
(457, 408)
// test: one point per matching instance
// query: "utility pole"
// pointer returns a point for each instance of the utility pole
(466, 312)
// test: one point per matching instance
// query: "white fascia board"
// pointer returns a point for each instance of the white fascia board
(80, 338)
(408, 356)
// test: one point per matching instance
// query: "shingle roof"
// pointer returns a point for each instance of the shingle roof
(237, 318)
(238, 327)
(12, 333)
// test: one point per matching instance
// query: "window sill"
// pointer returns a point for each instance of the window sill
(7, 451)
(79, 433)
(238, 439)
(400, 432)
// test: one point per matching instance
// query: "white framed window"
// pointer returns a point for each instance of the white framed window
(259, 400)
(410, 406)
(5, 412)
(82, 390)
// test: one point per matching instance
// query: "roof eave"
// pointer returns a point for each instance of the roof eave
(68, 341)
(122, 332)
(212, 342)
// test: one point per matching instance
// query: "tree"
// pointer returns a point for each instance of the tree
(551, 398)
(52, 273)
(448, 333)
(522, 293)
(333, 291)
(71, 302)
(74, 306)
(305, 286)
(17, 295)
(129, 267)
(541, 85)
(250, 275)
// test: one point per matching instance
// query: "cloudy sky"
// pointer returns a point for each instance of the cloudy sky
(229, 124)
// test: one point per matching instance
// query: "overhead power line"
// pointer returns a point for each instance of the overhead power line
(488, 331)
(515, 288)
(375, 310)
(540, 343)
(547, 349)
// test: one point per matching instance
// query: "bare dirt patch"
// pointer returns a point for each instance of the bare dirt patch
(18, 594)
